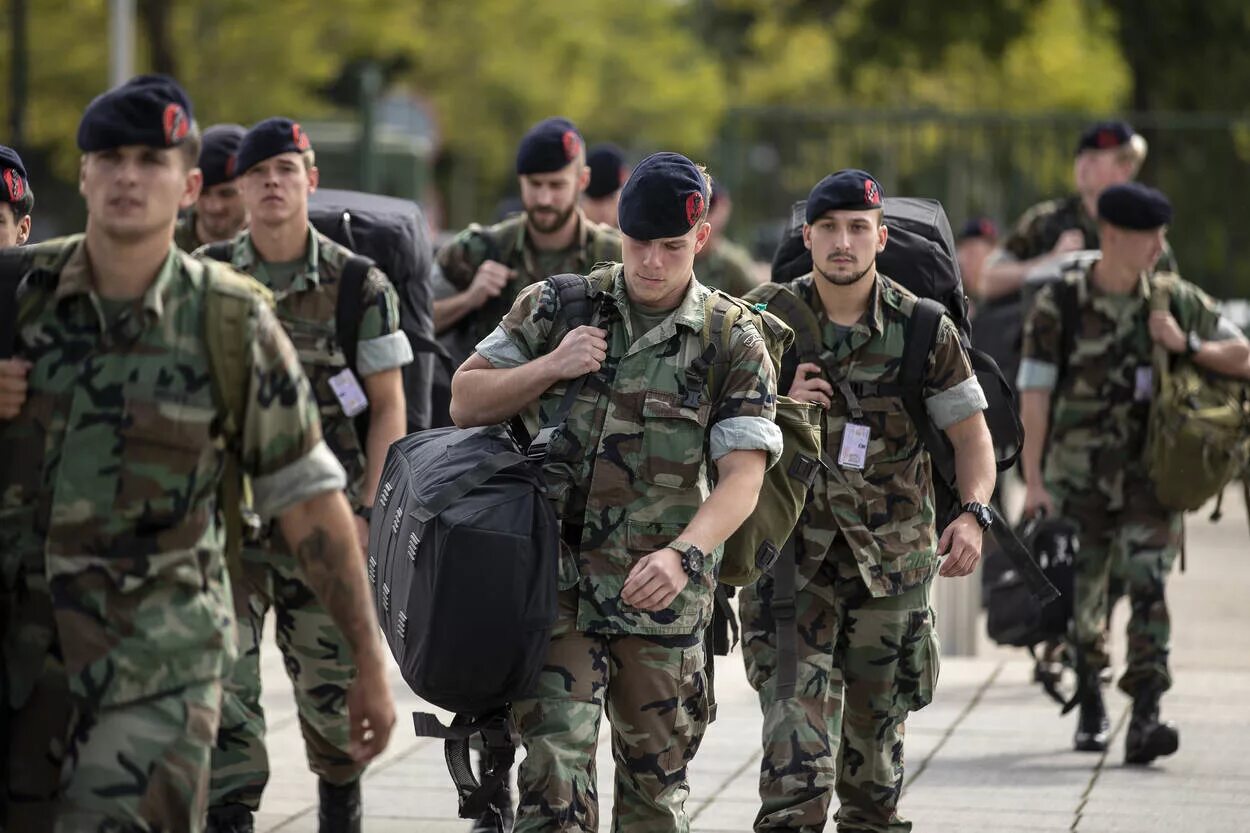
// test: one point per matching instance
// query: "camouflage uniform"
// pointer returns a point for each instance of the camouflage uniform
(727, 267)
(508, 242)
(627, 484)
(120, 628)
(1095, 467)
(185, 237)
(1038, 230)
(866, 556)
(317, 657)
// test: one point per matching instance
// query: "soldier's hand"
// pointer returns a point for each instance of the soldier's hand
(1072, 240)
(12, 386)
(961, 544)
(580, 352)
(655, 581)
(1164, 330)
(370, 710)
(1037, 499)
(810, 386)
(489, 281)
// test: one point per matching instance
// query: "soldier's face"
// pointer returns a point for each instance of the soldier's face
(550, 199)
(221, 211)
(1137, 250)
(134, 191)
(275, 191)
(13, 229)
(845, 244)
(1098, 170)
(971, 254)
(657, 272)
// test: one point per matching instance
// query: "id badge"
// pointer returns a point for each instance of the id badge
(347, 390)
(854, 451)
(1144, 385)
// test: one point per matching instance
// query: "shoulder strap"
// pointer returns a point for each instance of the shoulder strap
(348, 307)
(12, 270)
(228, 302)
(796, 313)
(922, 329)
(222, 250)
(1068, 300)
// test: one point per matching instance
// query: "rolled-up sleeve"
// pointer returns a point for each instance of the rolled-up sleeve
(745, 434)
(500, 350)
(315, 473)
(957, 403)
(951, 390)
(1035, 374)
(387, 352)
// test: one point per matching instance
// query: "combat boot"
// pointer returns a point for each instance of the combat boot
(1092, 726)
(230, 818)
(1149, 738)
(340, 807)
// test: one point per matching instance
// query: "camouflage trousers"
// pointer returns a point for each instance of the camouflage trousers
(864, 663)
(319, 664)
(140, 767)
(1138, 544)
(654, 692)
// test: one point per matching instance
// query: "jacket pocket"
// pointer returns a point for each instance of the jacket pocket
(672, 444)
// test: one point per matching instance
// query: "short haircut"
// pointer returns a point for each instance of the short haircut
(310, 159)
(25, 206)
(707, 204)
(189, 147)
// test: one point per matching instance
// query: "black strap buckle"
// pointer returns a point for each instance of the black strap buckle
(766, 556)
(537, 450)
(783, 610)
(804, 469)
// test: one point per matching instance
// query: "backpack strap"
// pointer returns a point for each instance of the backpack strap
(785, 581)
(798, 315)
(1068, 300)
(222, 250)
(228, 303)
(348, 306)
(12, 271)
(922, 330)
(474, 797)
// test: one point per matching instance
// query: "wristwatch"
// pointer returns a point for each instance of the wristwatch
(692, 558)
(980, 513)
(1192, 343)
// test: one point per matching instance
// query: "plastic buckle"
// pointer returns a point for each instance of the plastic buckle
(804, 469)
(766, 556)
(693, 398)
(537, 450)
(783, 610)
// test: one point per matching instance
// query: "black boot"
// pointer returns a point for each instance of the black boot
(340, 807)
(230, 818)
(1092, 726)
(1149, 738)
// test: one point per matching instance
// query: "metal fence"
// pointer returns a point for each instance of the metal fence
(995, 165)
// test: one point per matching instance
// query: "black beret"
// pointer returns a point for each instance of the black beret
(608, 170)
(269, 138)
(14, 186)
(664, 197)
(547, 147)
(1134, 206)
(1105, 135)
(979, 227)
(846, 190)
(219, 153)
(149, 110)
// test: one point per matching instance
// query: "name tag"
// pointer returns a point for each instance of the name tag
(854, 451)
(347, 390)
(1144, 386)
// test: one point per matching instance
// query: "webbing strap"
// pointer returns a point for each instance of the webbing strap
(467, 482)
(785, 579)
(348, 307)
(475, 797)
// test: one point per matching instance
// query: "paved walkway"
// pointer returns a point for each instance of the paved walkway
(990, 754)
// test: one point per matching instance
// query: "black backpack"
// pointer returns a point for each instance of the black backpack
(920, 256)
(463, 559)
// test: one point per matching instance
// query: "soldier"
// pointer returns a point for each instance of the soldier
(16, 194)
(489, 266)
(113, 437)
(723, 264)
(608, 173)
(305, 271)
(1108, 153)
(1094, 370)
(643, 534)
(219, 213)
(866, 550)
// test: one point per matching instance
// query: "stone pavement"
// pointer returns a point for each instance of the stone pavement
(990, 754)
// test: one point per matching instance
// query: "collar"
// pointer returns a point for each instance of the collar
(524, 244)
(246, 259)
(1086, 289)
(871, 316)
(76, 278)
(689, 313)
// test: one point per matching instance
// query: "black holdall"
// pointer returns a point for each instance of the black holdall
(464, 548)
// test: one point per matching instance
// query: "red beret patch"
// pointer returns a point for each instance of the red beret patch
(571, 145)
(14, 184)
(175, 123)
(232, 162)
(694, 207)
(624, 175)
(872, 194)
(300, 137)
(1108, 139)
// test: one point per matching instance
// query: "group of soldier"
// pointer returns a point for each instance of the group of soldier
(144, 374)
